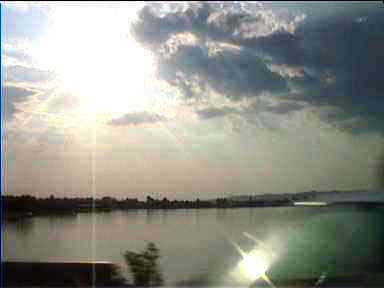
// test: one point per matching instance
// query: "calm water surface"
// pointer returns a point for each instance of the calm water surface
(197, 243)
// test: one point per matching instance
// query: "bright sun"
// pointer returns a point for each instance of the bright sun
(93, 55)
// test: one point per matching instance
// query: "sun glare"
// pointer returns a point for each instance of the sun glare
(93, 56)
(254, 264)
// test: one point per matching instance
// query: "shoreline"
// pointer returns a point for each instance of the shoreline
(14, 216)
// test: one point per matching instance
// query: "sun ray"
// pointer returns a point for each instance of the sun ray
(266, 279)
(259, 243)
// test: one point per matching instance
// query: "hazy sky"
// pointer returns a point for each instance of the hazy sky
(194, 100)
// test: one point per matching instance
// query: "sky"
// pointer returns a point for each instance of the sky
(191, 100)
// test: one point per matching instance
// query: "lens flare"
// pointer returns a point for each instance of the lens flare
(254, 265)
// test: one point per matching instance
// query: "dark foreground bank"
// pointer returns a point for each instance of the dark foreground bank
(105, 274)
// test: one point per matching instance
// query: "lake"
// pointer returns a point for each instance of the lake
(199, 243)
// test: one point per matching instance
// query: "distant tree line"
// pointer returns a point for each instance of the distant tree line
(26, 205)
(30, 205)
(380, 171)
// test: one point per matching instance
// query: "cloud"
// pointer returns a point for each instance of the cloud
(153, 29)
(16, 52)
(259, 108)
(13, 97)
(354, 56)
(214, 112)
(320, 57)
(62, 102)
(284, 107)
(19, 73)
(193, 68)
(208, 20)
(137, 118)
(341, 60)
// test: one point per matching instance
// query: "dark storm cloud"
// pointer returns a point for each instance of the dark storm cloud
(207, 21)
(235, 74)
(346, 59)
(137, 118)
(153, 29)
(12, 97)
(283, 47)
(340, 50)
(347, 50)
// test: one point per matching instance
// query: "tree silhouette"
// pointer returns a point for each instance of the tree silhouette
(144, 267)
